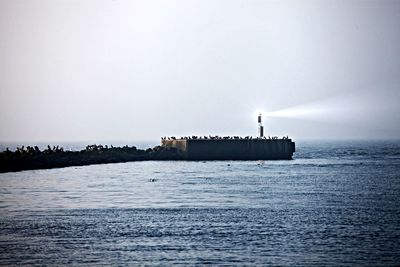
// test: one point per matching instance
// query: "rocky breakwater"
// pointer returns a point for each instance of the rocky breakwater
(31, 158)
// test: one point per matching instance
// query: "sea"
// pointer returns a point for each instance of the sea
(337, 203)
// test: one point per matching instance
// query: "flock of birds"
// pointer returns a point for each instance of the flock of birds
(194, 137)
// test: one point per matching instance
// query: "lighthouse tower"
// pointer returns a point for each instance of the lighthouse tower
(260, 127)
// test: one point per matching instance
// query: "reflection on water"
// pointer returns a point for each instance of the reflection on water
(336, 203)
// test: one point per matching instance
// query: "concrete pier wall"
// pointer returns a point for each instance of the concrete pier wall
(233, 149)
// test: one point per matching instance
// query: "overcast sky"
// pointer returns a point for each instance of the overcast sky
(136, 70)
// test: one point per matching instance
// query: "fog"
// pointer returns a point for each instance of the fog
(138, 70)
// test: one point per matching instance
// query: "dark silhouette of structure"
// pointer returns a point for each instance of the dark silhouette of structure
(172, 148)
(232, 147)
(229, 148)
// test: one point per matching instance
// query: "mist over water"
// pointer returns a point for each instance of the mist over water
(138, 70)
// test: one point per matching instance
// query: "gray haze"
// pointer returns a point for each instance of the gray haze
(137, 70)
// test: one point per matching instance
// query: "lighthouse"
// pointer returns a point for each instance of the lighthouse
(260, 127)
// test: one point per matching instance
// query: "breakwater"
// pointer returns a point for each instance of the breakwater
(31, 158)
(232, 148)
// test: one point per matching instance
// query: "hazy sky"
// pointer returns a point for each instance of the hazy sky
(137, 70)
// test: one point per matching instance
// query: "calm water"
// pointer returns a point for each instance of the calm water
(334, 204)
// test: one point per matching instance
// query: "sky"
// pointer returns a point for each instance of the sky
(94, 70)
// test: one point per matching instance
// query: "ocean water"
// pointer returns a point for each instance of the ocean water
(335, 204)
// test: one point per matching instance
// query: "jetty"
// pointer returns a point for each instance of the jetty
(232, 148)
(171, 148)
